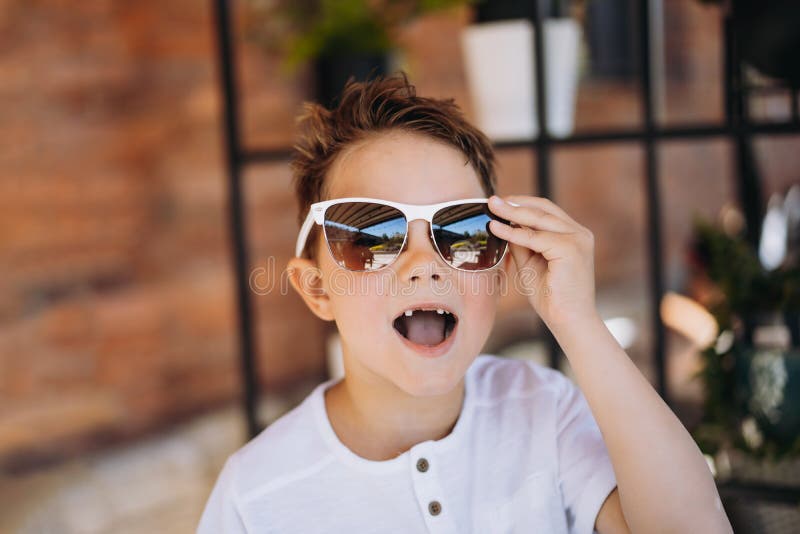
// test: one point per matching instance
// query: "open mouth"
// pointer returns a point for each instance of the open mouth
(425, 326)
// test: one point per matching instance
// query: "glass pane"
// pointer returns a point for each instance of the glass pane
(778, 159)
(602, 188)
(279, 312)
(688, 69)
(269, 95)
(696, 181)
(608, 94)
(516, 324)
(768, 100)
(590, 56)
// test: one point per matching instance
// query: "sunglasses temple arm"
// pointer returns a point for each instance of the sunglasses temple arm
(304, 231)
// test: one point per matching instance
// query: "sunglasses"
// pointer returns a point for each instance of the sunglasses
(367, 234)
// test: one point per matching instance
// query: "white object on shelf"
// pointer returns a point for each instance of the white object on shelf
(499, 62)
(774, 229)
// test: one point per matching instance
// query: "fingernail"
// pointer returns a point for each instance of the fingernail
(494, 199)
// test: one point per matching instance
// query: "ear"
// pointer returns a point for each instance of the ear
(306, 278)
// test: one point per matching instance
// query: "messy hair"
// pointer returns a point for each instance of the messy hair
(381, 104)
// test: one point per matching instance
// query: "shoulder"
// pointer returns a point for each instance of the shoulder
(518, 405)
(495, 379)
(286, 450)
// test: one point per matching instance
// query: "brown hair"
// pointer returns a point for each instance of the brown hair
(364, 108)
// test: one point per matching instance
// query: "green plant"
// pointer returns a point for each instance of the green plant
(301, 30)
(743, 289)
(732, 264)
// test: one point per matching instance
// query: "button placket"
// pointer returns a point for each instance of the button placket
(432, 500)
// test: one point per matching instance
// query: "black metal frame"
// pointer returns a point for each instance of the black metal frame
(736, 127)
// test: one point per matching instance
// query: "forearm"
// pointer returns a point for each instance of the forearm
(664, 482)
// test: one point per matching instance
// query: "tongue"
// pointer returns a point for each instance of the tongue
(425, 328)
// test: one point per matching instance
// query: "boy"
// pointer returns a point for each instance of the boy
(423, 433)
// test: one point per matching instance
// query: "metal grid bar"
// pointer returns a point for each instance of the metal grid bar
(542, 143)
(736, 118)
(234, 162)
(699, 131)
(656, 253)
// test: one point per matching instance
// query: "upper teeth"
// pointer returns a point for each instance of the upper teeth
(408, 313)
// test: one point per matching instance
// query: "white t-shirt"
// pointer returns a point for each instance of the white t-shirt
(525, 455)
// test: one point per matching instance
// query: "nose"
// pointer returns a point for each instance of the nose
(419, 259)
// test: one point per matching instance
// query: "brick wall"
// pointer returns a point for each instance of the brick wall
(118, 312)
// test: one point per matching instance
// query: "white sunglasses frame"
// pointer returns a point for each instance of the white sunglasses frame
(412, 212)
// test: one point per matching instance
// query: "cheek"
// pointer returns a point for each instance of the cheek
(485, 286)
(358, 301)
(479, 294)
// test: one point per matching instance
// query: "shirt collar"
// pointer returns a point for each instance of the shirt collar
(455, 437)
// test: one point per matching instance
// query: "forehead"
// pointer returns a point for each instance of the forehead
(403, 167)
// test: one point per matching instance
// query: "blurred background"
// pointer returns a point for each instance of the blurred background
(147, 213)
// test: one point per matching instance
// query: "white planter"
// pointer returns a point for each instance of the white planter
(499, 62)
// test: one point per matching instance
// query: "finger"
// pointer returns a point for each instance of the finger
(528, 216)
(551, 245)
(525, 258)
(542, 203)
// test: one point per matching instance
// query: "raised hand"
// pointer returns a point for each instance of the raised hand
(554, 254)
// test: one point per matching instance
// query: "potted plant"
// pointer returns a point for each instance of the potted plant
(752, 371)
(340, 38)
(499, 60)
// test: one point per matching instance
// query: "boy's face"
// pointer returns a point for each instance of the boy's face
(414, 169)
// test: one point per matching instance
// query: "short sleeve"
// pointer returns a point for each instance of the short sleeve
(221, 514)
(586, 475)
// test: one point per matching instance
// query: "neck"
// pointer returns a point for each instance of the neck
(379, 422)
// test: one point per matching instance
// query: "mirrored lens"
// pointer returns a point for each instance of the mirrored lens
(363, 236)
(462, 235)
